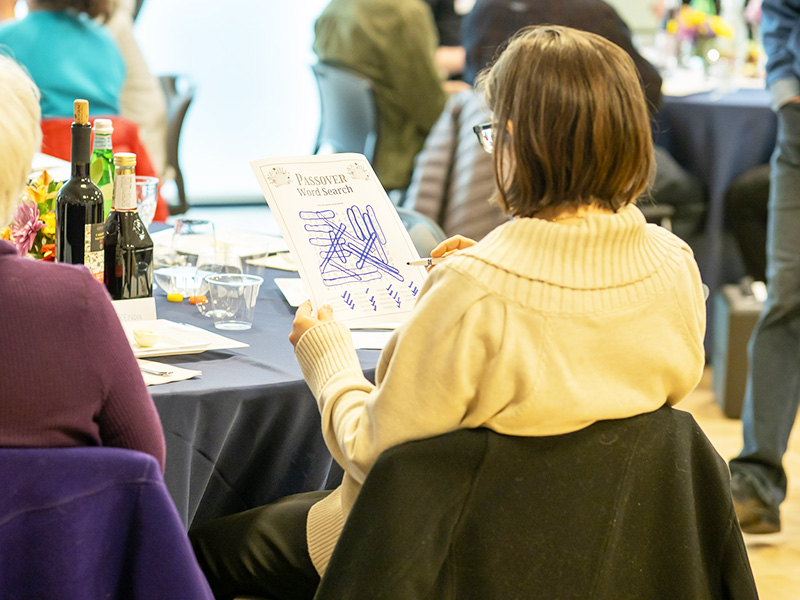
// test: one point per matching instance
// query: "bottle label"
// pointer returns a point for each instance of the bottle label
(102, 142)
(93, 255)
(124, 192)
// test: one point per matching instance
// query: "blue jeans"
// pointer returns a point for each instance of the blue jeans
(773, 384)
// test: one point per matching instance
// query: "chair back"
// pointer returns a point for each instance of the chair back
(424, 231)
(88, 523)
(179, 92)
(137, 7)
(630, 508)
(348, 112)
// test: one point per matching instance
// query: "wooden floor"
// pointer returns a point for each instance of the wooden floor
(775, 558)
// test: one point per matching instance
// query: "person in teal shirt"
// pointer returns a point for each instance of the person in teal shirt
(68, 53)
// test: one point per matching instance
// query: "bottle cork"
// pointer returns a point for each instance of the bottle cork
(81, 109)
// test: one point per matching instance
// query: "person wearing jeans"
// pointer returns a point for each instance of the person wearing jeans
(759, 480)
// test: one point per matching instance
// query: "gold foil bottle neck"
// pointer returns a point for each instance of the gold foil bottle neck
(125, 159)
(81, 109)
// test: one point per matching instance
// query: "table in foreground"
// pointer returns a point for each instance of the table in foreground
(247, 431)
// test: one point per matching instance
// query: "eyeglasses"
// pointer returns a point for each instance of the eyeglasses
(485, 136)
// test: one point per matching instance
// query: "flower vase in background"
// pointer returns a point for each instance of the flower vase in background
(705, 49)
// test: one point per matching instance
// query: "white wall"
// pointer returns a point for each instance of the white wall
(638, 14)
(256, 96)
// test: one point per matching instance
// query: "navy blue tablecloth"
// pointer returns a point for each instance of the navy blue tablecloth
(247, 431)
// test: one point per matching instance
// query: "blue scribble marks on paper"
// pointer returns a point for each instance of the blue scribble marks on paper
(414, 289)
(348, 299)
(350, 252)
(394, 295)
(372, 302)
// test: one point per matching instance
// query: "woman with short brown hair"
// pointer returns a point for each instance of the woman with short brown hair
(581, 133)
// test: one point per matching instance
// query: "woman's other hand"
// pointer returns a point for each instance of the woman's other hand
(451, 245)
(304, 320)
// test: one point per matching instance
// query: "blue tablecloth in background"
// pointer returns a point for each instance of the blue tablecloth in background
(717, 137)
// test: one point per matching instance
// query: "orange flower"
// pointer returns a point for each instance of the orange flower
(49, 252)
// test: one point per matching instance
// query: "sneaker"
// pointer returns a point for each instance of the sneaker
(754, 514)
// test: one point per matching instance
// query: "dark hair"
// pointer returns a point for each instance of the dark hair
(570, 123)
(94, 8)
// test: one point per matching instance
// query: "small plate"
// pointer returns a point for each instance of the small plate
(177, 338)
(169, 342)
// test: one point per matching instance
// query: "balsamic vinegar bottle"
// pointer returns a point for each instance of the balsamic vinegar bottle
(126, 243)
(79, 203)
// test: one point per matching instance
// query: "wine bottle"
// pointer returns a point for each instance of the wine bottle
(79, 203)
(126, 243)
(101, 166)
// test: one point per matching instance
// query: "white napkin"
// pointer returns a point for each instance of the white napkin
(174, 373)
(281, 260)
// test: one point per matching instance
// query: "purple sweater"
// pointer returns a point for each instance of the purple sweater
(68, 376)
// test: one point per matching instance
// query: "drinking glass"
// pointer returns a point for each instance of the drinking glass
(222, 259)
(191, 236)
(146, 198)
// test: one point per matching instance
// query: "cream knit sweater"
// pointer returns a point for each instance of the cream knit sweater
(541, 328)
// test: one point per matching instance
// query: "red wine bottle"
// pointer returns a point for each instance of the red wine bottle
(79, 203)
(127, 245)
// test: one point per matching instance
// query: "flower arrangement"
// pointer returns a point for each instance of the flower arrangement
(33, 228)
(695, 25)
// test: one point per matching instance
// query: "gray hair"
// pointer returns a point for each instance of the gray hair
(20, 133)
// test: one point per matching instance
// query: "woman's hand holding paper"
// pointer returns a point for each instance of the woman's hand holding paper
(304, 320)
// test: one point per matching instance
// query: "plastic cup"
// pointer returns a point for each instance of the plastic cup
(233, 299)
(212, 262)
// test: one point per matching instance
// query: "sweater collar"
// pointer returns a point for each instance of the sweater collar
(601, 251)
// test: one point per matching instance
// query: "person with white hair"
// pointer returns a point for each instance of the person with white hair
(69, 377)
(20, 135)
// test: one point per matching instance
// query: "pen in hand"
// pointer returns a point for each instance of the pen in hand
(426, 262)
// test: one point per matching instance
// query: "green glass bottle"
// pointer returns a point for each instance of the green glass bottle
(102, 163)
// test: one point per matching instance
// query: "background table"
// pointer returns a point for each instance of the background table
(248, 430)
(717, 138)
